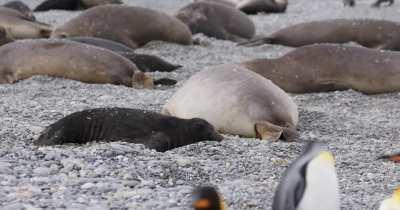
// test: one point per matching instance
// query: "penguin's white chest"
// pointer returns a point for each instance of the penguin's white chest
(322, 190)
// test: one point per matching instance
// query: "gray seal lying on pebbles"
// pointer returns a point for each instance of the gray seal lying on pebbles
(72, 4)
(20, 7)
(68, 59)
(236, 101)
(146, 63)
(139, 27)
(216, 20)
(378, 3)
(18, 26)
(329, 67)
(154, 130)
(378, 34)
(254, 6)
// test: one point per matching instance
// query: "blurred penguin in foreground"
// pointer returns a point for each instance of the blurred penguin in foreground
(207, 198)
(309, 183)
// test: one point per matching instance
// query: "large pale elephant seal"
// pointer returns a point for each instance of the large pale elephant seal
(18, 26)
(154, 130)
(236, 101)
(328, 67)
(254, 6)
(20, 7)
(132, 26)
(67, 59)
(146, 63)
(72, 4)
(379, 34)
(218, 21)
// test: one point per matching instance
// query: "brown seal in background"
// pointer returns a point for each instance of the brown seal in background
(132, 26)
(67, 59)
(379, 34)
(329, 67)
(217, 20)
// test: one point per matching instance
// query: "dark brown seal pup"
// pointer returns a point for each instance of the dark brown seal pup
(379, 34)
(72, 4)
(20, 7)
(18, 26)
(140, 26)
(67, 59)
(154, 130)
(328, 67)
(146, 63)
(216, 20)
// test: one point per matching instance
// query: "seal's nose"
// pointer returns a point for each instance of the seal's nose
(218, 137)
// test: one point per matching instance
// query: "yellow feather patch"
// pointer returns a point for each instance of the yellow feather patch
(327, 156)
(396, 195)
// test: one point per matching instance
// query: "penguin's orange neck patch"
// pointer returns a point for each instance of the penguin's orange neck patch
(395, 158)
(202, 204)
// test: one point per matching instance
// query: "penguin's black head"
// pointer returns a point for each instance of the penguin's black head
(207, 198)
(201, 130)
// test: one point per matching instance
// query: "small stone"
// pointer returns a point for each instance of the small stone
(88, 185)
(42, 171)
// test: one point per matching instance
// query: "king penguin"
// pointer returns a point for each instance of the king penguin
(207, 198)
(309, 183)
(392, 203)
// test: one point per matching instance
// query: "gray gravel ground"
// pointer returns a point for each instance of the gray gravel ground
(356, 127)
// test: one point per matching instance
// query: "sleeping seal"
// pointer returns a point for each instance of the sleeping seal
(146, 63)
(67, 59)
(154, 130)
(378, 3)
(216, 20)
(328, 67)
(349, 3)
(140, 26)
(22, 8)
(72, 4)
(18, 26)
(236, 101)
(379, 34)
(254, 6)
